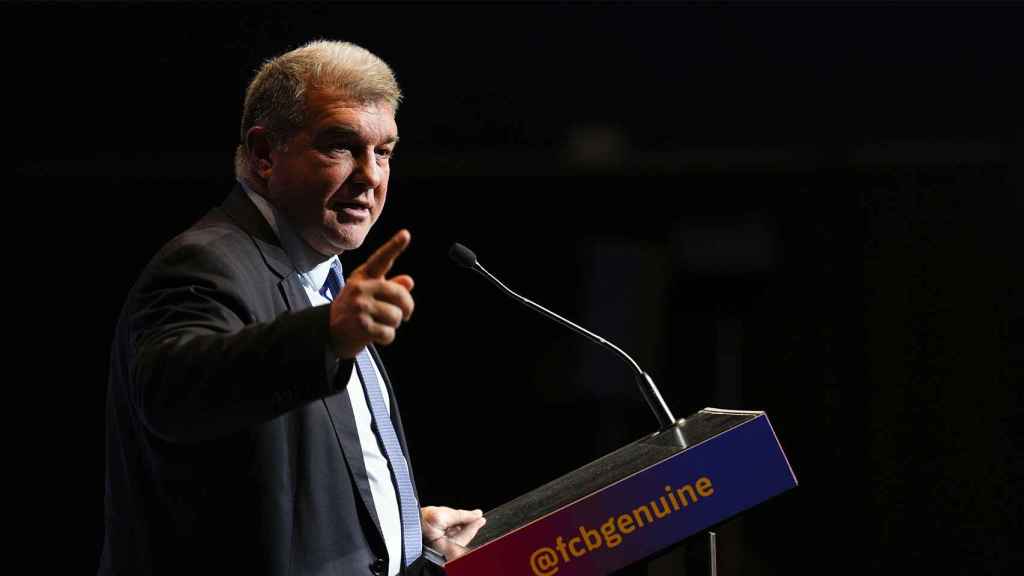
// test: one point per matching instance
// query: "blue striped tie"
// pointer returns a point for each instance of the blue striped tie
(410, 510)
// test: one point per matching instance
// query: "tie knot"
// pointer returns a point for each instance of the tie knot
(333, 282)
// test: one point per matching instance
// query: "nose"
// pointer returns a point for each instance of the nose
(367, 171)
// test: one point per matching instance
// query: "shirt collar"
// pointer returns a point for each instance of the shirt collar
(312, 266)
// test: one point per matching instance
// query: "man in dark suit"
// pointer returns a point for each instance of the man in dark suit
(251, 427)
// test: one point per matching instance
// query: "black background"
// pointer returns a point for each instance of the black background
(808, 209)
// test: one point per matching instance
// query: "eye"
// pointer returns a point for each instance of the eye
(385, 153)
(336, 148)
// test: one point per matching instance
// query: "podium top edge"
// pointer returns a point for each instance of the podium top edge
(731, 411)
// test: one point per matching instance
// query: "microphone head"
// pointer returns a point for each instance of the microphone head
(461, 255)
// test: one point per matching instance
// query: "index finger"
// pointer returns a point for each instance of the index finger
(453, 517)
(380, 262)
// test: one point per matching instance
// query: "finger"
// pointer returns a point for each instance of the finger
(382, 333)
(468, 531)
(452, 517)
(380, 262)
(446, 517)
(386, 314)
(430, 523)
(405, 280)
(393, 293)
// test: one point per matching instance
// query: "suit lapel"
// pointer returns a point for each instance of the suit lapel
(248, 217)
(294, 294)
(339, 408)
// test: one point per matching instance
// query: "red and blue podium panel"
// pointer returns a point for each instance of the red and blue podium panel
(634, 502)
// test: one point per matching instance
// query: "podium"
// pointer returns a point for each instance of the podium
(634, 502)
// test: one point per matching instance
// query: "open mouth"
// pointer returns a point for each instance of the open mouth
(352, 210)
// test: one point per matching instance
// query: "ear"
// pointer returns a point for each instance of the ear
(259, 147)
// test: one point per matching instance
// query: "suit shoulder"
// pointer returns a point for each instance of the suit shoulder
(214, 233)
(214, 250)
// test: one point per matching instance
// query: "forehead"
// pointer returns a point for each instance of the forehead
(373, 121)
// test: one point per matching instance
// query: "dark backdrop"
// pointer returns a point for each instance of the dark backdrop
(807, 209)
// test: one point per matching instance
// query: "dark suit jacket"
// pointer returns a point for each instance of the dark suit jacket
(231, 446)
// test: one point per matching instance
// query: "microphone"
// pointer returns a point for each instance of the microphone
(467, 259)
(462, 256)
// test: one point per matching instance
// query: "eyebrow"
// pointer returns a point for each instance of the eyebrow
(345, 132)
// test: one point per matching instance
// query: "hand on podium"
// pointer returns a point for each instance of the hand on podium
(448, 531)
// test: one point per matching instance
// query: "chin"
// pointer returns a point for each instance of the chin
(345, 241)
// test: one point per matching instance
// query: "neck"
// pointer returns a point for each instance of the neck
(303, 256)
(255, 184)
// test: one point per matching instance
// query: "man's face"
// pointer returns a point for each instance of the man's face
(331, 177)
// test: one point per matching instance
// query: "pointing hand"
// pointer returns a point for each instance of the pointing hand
(371, 306)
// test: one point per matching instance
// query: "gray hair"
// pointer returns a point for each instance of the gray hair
(276, 97)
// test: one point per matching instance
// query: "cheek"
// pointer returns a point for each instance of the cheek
(327, 181)
(382, 190)
(382, 196)
(337, 172)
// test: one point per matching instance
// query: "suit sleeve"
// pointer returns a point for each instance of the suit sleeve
(201, 365)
